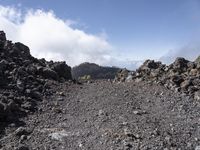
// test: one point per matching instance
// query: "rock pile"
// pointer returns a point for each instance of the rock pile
(24, 79)
(123, 75)
(181, 76)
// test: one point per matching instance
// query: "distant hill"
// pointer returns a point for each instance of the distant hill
(94, 71)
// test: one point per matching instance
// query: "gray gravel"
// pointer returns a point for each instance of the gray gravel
(109, 116)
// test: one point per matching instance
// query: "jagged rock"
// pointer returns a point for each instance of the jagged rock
(2, 36)
(180, 64)
(62, 69)
(3, 65)
(191, 65)
(122, 75)
(21, 50)
(194, 72)
(49, 73)
(149, 64)
(185, 84)
(23, 78)
(180, 76)
(177, 79)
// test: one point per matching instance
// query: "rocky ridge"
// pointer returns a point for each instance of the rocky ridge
(181, 76)
(94, 71)
(24, 80)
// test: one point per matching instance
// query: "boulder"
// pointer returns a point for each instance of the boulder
(191, 65)
(185, 84)
(122, 75)
(49, 73)
(3, 65)
(194, 72)
(22, 50)
(177, 79)
(180, 64)
(2, 36)
(62, 69)
(150, 64)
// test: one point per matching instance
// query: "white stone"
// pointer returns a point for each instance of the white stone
(197, 148)
(59, 135)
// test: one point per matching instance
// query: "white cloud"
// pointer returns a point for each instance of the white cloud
(190, 52)
(53, 38)
(10, 13)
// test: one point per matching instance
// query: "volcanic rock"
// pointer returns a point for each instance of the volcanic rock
(23, 78)
(182, 75)
(49, 73)
(2, 36)
(122, 75)
(62, 70)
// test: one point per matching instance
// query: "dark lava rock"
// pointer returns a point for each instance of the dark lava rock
(150, 64)
(182, 75)
(62, 69)
(180, 63)
(2, 36)
(23, 79)
(49, 73)
(122, 75)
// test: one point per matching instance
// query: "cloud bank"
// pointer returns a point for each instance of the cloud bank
(52, 38)
(190, 52)
(56, 39)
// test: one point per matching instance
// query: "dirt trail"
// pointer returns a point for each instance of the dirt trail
(109, 116)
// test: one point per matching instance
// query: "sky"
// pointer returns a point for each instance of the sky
(108, 32)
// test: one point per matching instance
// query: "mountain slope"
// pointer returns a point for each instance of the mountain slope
(94, 70)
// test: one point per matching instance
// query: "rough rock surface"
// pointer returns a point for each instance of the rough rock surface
(109, 116)
(180, 76)
(24, 80)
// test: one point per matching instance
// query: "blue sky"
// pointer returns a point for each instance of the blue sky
(139, 29)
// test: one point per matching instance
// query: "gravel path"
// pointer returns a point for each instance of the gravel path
(109, 116)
